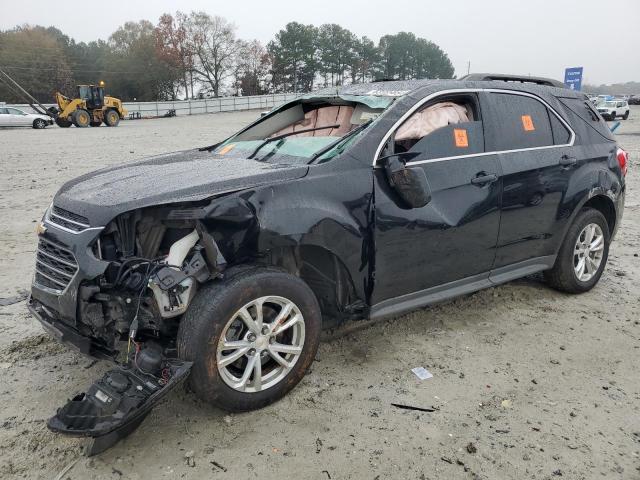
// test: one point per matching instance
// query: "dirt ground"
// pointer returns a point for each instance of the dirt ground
(528, 383)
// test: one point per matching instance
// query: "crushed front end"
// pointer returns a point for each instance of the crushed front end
(118, 292)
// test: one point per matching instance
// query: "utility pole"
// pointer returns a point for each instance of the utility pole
(468, 67)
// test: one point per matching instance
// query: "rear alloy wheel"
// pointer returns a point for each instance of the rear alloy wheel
(583, 254)
(251, 335)
(112, 118)
(39, 124)
(588, 252)
(81, 118)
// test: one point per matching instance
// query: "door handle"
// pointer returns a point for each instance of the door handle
(484, 179)
(567, 161)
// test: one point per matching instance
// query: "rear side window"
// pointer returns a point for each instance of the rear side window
(561, 135)
(521, 122)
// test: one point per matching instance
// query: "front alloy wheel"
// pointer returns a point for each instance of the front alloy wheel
(251, 336)
(260, 344)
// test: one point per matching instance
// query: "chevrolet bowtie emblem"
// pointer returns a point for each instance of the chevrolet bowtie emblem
(40, 228)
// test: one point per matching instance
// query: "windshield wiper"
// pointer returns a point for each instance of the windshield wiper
(288, 134)
(332, 145)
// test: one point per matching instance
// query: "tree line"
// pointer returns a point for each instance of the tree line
(197, 54)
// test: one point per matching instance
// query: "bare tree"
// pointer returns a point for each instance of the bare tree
(252, 67)
(173, 48)
(213, 43)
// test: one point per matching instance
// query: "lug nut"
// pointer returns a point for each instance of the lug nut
(252, 352)
(265, 330)
(251, 337)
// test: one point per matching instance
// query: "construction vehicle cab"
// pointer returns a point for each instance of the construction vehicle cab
(91, 108)
(92, 94)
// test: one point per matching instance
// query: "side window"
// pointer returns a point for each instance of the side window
(14, 111)
(521, 122)
(444, 128)
(561, 135)
(3, 111)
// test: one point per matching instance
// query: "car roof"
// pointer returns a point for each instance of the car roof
(400, 88)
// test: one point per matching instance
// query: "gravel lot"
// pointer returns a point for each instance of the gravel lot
(528, 382)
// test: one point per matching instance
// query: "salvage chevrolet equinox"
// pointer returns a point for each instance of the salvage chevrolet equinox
(223, 264)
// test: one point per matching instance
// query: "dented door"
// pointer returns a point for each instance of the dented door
(455, 235)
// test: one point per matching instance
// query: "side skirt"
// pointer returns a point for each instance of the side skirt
(412, 301)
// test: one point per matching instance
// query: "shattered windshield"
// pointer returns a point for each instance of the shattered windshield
(302, 132)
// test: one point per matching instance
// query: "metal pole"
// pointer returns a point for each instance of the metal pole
(24, 92)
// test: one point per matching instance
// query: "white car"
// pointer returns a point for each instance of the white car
(13, 117)
(614, 108)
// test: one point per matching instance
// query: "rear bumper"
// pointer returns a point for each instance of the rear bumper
(619, 211)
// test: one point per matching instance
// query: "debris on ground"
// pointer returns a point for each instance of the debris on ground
(189, 458)
(20, 297)
(422, 373)
(410, 407)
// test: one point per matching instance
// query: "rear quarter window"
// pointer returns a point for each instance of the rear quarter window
(585, 113)
(520, 122)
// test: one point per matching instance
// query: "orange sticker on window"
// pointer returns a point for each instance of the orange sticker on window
(527, 123)
(460, 136)
(226, 148)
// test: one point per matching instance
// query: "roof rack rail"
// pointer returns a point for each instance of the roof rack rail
(549, 82)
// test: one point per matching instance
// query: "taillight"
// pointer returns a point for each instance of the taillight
(623, 160)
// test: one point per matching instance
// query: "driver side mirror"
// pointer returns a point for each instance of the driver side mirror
(410, 183)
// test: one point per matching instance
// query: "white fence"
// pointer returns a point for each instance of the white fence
(195, 107)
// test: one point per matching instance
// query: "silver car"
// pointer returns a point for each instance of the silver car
(13, 117)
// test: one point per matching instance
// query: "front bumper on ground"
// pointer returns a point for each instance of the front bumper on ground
(66, 334)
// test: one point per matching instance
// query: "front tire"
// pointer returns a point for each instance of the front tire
(583, 254)
(63, 123)
(81, 118)
(39, 124)
(626, 115)
(252, 336)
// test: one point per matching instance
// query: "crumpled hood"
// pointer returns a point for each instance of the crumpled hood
(190, 175)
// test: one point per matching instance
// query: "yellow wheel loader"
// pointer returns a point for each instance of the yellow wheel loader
(91, 108)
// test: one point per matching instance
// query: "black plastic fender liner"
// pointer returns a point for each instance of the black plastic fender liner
(116, 404)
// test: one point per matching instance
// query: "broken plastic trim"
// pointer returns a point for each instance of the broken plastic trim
(116, 404)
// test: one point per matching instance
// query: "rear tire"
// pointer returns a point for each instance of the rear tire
(564, 275)
(39, 124)
(216, 317)
(81, 118)
(626, 115)
(111, 118)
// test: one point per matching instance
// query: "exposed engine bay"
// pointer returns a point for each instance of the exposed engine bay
(154, 268)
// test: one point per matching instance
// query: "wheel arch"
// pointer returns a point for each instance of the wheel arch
(599, 199)
(325, 274)
(606, 206)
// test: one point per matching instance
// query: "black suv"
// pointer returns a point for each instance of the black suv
(224, 263)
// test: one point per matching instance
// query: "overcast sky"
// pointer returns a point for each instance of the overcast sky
(539, 37)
